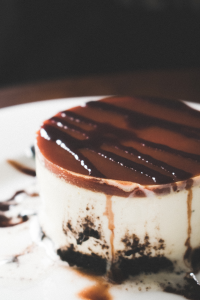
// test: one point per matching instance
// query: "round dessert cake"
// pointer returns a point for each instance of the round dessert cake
(120, 185)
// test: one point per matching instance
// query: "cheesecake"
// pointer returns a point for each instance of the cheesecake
(120, 185)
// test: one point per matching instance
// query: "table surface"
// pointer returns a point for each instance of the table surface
(175, 84)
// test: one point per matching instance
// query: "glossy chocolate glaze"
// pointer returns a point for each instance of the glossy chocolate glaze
(142, 140)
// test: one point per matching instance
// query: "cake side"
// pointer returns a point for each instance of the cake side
(138, 233)
(120, 181)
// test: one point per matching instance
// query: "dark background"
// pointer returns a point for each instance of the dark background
(42, 40)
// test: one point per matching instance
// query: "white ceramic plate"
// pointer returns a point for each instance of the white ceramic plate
(37, 275)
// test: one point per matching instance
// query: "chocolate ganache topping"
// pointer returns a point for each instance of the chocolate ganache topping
(149, 141)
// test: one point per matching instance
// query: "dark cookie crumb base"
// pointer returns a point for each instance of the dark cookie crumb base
(144, 264)
(123, 268)
(195, 260)
(189, 290)
(93, 262)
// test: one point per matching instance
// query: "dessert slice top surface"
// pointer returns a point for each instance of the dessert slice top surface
(149, 141)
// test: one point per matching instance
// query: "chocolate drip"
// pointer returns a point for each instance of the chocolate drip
(154, 175)
(86, 138)
(5, 205)
(111, 226)
(66, 125)
(175, 172)
(23, 169)
(72, 145)
(166, 148)
(187, 255)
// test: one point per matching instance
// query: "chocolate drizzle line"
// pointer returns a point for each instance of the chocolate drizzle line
(96, 142)
(111, 140)
(126, 134)
(187, 255)
(72, 145)
(140, 120)
(23, 169)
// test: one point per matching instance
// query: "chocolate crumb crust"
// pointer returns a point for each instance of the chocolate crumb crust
(144, 264)
(123, 268)
(136, 258)
(93, 262)
(195, 260)
(124, 265)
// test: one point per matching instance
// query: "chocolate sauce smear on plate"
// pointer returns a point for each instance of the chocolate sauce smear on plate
(98, 291)
(5, 206)
(23, 169)
(143, 140)
(9, 222)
